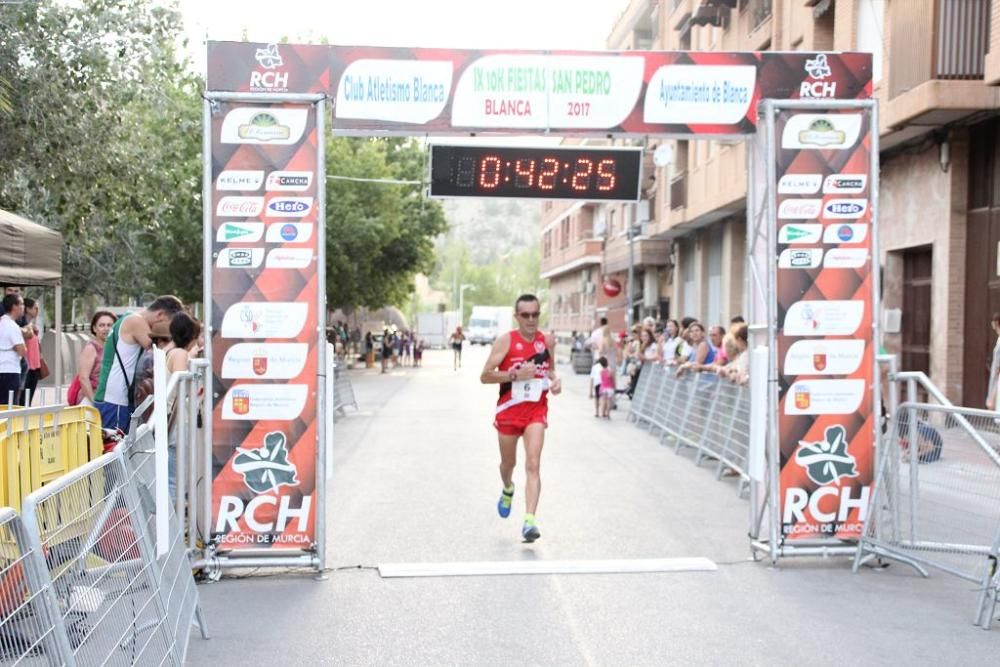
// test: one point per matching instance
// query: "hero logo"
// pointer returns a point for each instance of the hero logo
(289, 181)
(289, 207)
(849, 209)
(818, 69)
(269, 58)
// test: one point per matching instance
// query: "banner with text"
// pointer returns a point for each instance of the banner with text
(265, 231)
(450, 91)
(825, 338)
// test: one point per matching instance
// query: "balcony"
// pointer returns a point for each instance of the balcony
(937, 64)
(678, 191)
(647, 252)
(577, 255)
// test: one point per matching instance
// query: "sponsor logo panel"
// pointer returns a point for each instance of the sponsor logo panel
(800, 234)
(289, 232)
(240, 179)
(845, 258)
(805, 258)
(289, 181)
(846, 233)
(239, 258)
(797, 503)
(800, 209)
(256, 125)
(240, 207)
(269, 59)
(799, 184)
(845, 184)
(823, 357)
(818, 70)
(822, 131)
(240, 232)
(289, 207)
(824, 397)
(265, 361)
(263, 319)
(694, 94)
(289, 258)
(845, 209)
(249, 402)
(264, 515)
(823, 318)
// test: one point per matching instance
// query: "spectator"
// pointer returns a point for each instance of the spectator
(406, 348)
(702, 353)
(12, 348)
(991, 394)
(369, 350)
(456, 340)
(32, 353)
(715, 336)
(738, 368)
(595, 384)
(671, 341)
(88, 367)
(607, 390)
(418, 352)
(26, 333)
(597, 335)
(115, 396)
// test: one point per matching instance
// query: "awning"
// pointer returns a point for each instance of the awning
(30, 254)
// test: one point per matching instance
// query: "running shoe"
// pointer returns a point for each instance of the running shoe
(503, 505)
(530, 532)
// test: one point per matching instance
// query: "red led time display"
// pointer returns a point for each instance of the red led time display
(536, 173)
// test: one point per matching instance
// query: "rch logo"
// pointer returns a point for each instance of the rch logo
(266, 468)
(269, 59)
(827, 460)
(818, 68)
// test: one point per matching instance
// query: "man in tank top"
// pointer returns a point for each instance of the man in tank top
(522, 362)
(128, 338)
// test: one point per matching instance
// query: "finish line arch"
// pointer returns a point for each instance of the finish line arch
(811, 220)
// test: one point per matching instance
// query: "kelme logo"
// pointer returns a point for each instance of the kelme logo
(266, 468)
(828, 460)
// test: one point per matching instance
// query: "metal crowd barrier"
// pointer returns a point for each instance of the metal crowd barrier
(699, 411)
(37, 445)
(935, 501)
(343, 390)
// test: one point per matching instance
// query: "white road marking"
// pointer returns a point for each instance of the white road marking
(491, 568)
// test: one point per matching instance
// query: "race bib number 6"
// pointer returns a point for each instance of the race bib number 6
(529, 390)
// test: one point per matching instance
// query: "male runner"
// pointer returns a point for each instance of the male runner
(522, 363)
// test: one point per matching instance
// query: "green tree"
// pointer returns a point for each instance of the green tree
(101, 142)
(378, 235)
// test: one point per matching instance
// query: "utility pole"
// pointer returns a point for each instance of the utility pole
(630, 289)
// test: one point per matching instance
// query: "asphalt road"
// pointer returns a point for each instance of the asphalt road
(416, 481)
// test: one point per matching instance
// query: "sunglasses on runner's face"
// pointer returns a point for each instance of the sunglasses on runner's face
(530, 316)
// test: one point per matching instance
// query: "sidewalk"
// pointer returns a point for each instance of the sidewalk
(415, 481)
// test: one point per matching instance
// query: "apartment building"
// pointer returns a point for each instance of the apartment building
(937, 79)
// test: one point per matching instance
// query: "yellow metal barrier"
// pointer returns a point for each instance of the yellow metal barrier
(37, 448)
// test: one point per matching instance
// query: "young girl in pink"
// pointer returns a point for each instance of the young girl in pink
(607, 387)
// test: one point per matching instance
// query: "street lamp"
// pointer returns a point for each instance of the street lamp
(461, 301)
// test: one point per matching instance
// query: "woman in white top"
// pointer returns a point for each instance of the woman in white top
(671, 339)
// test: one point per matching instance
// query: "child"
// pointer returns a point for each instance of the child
(607, 390)
(595, 385)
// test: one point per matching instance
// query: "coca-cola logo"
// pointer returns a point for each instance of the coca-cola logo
(243, 207)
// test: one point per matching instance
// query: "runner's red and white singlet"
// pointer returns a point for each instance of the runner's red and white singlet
(513, 414)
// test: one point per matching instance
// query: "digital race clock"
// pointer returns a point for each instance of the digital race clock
(536, 173)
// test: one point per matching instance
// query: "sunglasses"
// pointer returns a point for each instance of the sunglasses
(530, 316)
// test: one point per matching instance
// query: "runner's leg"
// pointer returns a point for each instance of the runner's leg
(534, 438)
(508, 458)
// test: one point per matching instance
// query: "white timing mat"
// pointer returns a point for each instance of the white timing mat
(489, 568)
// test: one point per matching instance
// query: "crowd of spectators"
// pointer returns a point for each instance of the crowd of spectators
(686, 347)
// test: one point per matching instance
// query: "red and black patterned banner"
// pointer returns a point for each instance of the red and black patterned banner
(826, 346)
(264, 290)
(573, 93)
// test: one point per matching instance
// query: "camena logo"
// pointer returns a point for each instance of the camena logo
(269, 58)
(818, 68)
(799, 184)
(799, 209)
(289, 207)
(239, 179)
(845, 184)
(289, 181)
(850, 209)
